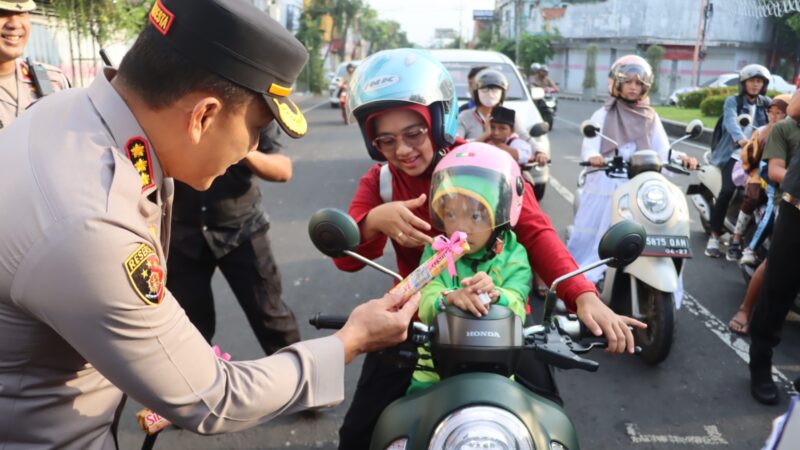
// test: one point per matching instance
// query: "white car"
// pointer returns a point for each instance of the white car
(732, 80)
(333, 86)
(518, 98)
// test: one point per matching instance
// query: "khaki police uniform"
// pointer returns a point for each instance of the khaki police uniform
(12, 105)
(84, 314)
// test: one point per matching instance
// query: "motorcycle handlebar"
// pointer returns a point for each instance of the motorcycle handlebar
(585, 164)
(327, 321)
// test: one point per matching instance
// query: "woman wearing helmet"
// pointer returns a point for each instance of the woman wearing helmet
(405, 104)
(475, 124)
(753, 82)
(627, 118)
(477, 190)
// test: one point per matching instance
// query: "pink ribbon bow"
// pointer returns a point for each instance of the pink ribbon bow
(451, 247)
(223, 356)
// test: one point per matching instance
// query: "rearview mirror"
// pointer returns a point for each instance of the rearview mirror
(540, 129)
(589, 129)
(537, 93)
(695, 128)
(744, 120)
(623, 242)
(333, 231)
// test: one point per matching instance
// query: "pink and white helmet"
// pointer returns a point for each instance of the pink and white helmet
(483, 172)
(626, 68)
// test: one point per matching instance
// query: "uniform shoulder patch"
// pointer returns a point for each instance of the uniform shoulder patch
(146, 274)
(139, 154)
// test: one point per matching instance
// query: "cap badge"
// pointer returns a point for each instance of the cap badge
(291, 117)
(146, 274)
(139, 154)
(161, 17)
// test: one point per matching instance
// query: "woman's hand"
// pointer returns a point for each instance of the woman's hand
(597, 161)
(689, 162)
(467, 301)
(397, 221)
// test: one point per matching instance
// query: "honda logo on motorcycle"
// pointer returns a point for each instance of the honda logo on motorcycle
(491, 334)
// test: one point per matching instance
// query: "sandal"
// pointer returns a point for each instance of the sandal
(737, 325)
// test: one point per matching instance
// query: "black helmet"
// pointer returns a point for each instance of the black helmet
(754, 71)
(488, 78)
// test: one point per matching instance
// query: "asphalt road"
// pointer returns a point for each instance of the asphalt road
(697, 398)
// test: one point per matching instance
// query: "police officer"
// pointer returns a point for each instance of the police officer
(21, 85)
(84, 314)
(226, 227)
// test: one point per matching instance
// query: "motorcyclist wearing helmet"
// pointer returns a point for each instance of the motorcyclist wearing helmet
(627, 118)
(471, 87)
(475, 124)
(541, 78)
(753, 83)
(475, 191)
(405, 104)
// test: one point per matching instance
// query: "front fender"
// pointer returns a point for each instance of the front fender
(416, 416)
(658, 272)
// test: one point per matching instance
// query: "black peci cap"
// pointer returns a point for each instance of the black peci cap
(504, 115)
(237, 41)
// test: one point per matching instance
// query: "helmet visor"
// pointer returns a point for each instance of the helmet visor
(630, 72)
(470, 199)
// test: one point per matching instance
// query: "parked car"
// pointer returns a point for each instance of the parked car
(732, 79)
(518, 98)
(333, 86)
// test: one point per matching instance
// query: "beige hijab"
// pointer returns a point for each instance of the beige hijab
(628, 122)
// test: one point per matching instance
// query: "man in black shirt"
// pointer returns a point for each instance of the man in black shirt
(226, 227)
(781, 282)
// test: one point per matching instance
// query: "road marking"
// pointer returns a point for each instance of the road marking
(566, 193)
(712, 437)
(311, 108)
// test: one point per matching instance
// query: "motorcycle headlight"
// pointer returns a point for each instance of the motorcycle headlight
(624, 207)
(481, 427)
(653, 200)
(399, 444)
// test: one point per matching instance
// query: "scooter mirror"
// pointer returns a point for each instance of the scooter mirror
(589, 129)
(540, 129)
(333, 231)
(624, 242)
(744, 120)
(537, 93)
(694, 129)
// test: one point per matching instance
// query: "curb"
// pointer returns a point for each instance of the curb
(676, 129)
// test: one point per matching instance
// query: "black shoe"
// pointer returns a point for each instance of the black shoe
(764, 390)
(734, 251)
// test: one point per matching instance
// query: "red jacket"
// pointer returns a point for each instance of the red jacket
(547, 254)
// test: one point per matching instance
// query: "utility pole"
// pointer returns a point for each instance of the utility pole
(517, 29)
(706, 11)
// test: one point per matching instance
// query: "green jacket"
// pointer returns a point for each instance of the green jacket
(510, 272)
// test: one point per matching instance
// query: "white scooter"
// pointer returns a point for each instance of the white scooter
(645, 289)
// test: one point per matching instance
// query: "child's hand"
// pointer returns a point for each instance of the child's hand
(479, 283)
(467, 301)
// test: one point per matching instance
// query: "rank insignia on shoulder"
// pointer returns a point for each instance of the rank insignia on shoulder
(146, 274)
(139, 154)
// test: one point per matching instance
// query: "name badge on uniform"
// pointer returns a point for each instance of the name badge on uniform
(146, 274)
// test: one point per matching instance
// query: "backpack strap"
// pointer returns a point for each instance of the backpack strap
(385, 183)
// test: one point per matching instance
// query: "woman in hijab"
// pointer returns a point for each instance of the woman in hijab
(627, 118)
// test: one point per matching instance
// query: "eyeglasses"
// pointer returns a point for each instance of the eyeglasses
(413, 137)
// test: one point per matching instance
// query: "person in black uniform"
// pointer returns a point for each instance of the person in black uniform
(226, 227)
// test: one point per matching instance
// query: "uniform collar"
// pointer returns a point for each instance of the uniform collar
(130, 139)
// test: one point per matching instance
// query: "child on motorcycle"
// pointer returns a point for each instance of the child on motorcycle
(628, 119)
(475, 190)
(503, 137)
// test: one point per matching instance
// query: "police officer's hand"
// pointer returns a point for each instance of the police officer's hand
(601, 320)
(395, 220)
(377, 324)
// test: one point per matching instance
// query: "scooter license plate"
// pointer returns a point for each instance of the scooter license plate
(669, 246)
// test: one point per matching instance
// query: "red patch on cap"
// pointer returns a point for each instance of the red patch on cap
(161, 17)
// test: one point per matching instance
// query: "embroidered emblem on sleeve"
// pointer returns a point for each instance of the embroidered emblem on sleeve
(146, 274)
(139, 154)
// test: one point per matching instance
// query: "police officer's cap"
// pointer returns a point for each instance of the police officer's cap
(237, 41)
(17, 5)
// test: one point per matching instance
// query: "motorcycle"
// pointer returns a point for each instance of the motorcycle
(704, 193)
(476, 404)
(645, 289)
(533, 173)
(343, 104)
(547, 104)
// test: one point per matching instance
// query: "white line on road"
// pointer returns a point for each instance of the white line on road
(712, 437)
(311, 108)
(566, 193)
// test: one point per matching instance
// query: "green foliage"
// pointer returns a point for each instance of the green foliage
(103, 20)
(533, 48)
(313, 78)
(486, 38)
(654, 55)
(384, 35)
(695, 99)
(787, 33)
(712, 105)
(590, 76)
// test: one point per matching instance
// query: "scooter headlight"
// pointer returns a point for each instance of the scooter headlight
(624, 207)
(399, 444)
(481, 427)
(654, 202)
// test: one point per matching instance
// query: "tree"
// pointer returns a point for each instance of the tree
(102, 19)
(533, 48)
(654, 55)
(590, 76)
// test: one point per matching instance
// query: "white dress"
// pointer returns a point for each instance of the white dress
(593, 216)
